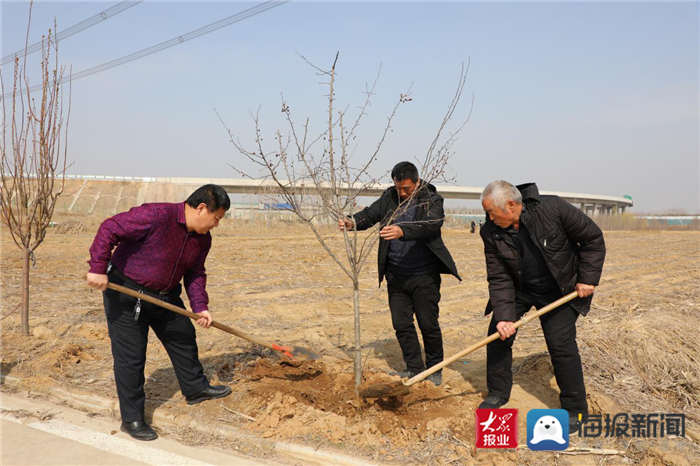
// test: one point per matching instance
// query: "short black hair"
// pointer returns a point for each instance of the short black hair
(405, 171)
(214, 196)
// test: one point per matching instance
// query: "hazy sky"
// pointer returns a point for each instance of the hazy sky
(581, 97)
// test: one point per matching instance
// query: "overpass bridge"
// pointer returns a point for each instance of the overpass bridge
(589, 203)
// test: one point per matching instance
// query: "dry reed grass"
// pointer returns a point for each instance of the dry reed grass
(629, 222)
(71, 227)
(649, 359)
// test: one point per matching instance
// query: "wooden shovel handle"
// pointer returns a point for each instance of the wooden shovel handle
(186, 313)
(490, 338)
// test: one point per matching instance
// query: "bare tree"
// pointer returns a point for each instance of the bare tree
(33, 164)
(322, 176)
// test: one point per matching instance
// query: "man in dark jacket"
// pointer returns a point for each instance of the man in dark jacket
(538, 248)
(411, 256)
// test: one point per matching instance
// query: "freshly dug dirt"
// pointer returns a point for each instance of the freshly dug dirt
(311, 398)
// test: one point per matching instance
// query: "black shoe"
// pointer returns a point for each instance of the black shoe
(575, 424)
(492, 402)
(139, 430)
(209, 393)
(405, 374)
(435, 378)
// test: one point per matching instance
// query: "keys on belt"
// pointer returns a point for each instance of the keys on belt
(137, 308)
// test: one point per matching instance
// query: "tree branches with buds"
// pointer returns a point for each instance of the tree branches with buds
(33, 163)
(322, 176)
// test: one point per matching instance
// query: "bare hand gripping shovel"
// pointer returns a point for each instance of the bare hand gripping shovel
(295, 353)
(401, 388)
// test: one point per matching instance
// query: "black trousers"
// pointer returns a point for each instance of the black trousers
(419, 295)
(559, 327)
(130, 339)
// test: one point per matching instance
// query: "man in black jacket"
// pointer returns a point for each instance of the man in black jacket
(411, 256)
(538, 248)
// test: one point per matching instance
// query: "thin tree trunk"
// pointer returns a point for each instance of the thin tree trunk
(358, 346)
(25, 293)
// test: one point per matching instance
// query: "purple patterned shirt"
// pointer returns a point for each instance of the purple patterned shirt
(155, 250)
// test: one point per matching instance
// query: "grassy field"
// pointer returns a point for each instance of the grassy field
(639, 344)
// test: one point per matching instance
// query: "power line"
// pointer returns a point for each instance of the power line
(81, 26)
(245, 14)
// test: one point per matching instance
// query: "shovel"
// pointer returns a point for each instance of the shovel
(401, 388)
(295, 353)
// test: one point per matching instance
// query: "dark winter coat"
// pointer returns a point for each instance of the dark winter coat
(429, 219)
(571, 243)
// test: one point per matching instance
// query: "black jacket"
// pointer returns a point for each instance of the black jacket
(429, 219)
(571, 243)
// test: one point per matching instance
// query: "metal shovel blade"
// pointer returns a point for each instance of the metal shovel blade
(384, 390)
(297, 353)
(402, 388)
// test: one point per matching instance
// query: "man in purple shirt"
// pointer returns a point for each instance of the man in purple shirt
(157, 245)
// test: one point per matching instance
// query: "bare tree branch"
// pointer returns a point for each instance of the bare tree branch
(35, 155)
(324, 184)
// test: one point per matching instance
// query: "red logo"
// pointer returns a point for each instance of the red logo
(496, 428)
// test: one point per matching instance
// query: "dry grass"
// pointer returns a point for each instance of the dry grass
(629, 222)
(647, 359)
(71, 227)
(639, 346)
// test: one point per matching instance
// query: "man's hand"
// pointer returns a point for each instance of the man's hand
(505, 329)
(584, 290)
(344, 223)
(205, 319)
(391, 232)
(97, 281)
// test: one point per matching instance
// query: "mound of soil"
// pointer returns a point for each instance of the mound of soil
(64, 358)
(313, 399)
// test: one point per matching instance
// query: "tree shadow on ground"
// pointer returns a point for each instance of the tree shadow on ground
(387, 349)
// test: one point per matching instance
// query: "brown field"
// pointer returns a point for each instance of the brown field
(639, 345)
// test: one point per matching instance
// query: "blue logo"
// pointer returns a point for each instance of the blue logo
(547, 429)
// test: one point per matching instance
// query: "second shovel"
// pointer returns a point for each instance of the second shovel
(382, 390)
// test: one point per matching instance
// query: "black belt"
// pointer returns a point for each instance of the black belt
(117, 273)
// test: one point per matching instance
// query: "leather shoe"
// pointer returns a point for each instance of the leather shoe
(492, 402)
(209, 393)
(139, 430)
(574, 423)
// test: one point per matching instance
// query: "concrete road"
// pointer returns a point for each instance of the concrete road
(37, 433)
